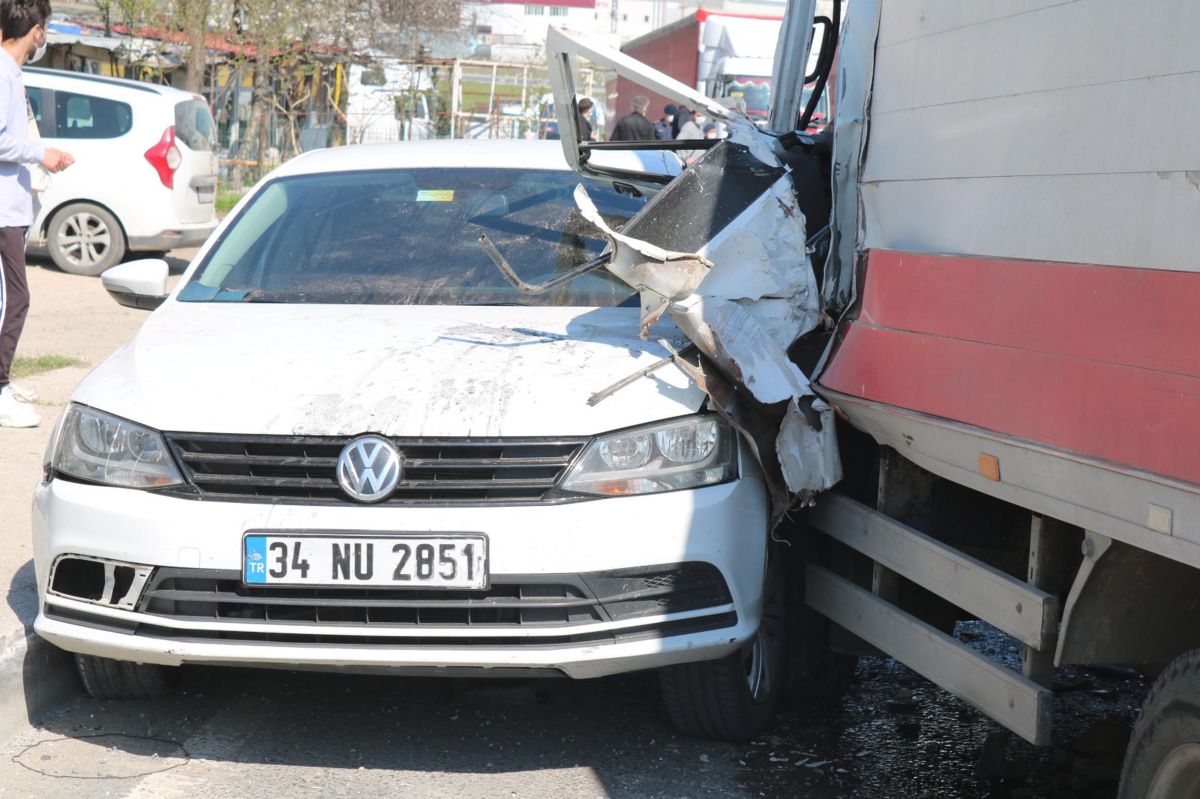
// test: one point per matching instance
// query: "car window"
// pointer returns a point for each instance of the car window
(37, 108)
(413, 237)
(194, 125)
(81, 116)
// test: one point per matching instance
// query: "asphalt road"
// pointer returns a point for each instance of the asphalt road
(241, 733)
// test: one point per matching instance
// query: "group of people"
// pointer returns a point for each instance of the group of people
(24, 27)
(676, 122)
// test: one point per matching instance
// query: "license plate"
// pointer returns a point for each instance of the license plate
(409, 561)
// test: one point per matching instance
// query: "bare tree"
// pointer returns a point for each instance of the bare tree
(129, 13)
(193, 17)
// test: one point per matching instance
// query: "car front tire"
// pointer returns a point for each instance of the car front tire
(104, 678)
(734, 698)
(85, 239)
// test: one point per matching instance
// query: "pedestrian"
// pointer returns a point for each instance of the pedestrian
(682, 116)
(585, 125)
(688, 129)
(24, 27)
(634, 126)
(662, 128)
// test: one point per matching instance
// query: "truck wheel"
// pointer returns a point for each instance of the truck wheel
(104, 678)
(1163, 758)
(84, 239)
(734, 698)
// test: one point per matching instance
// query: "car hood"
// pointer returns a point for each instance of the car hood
(394, 370)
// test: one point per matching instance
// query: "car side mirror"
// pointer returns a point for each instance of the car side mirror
(138, 284)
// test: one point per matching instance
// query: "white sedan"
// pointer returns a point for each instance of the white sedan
(347, 442)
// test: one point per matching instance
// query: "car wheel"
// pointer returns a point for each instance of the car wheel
(734, 698)
(1163, 757)
(815, 673)
(104, 678)
(84, 239)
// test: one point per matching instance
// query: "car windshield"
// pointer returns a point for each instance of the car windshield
(411, 237)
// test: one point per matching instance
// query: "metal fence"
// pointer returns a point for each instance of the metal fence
(452, 98)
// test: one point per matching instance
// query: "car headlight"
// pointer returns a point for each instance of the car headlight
(104, 449)
(681, 453)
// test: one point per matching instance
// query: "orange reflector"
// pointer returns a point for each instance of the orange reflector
(989, 466)
(614, 487)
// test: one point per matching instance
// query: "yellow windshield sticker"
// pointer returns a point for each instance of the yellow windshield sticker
(435, 196)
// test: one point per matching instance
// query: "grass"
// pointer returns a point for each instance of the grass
(24, 366)
(226, 200)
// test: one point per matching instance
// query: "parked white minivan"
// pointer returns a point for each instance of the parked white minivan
(145, 172)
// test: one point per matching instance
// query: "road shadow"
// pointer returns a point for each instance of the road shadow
(427, 728)
(890, 734)
(47, 674)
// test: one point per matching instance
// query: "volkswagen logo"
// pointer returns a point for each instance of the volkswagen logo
(369, 468)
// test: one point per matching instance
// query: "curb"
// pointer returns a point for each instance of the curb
(36, 678)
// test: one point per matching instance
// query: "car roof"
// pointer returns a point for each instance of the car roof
(435, 153)
(111, 83)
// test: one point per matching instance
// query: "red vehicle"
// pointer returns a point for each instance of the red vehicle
(720, 55)
(1013, 363)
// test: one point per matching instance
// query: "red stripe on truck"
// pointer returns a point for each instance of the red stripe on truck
(1101, 361)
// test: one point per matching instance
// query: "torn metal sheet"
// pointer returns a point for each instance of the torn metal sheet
(721, 249)
(808, 452)
(659, 276)
(735, 340)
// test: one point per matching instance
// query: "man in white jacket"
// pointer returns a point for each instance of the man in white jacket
(24, 27)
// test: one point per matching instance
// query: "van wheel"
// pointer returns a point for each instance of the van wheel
(1163, 758)
(104, 678)
(84, 239)
(734, 698)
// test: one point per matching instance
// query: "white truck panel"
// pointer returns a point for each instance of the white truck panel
(1014, 117)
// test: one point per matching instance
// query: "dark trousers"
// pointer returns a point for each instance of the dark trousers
(14, 296)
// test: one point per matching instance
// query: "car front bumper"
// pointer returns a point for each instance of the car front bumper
(724, 526)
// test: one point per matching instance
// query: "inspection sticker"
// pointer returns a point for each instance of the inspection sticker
(435, 196)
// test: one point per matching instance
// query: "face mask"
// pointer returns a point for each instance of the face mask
(39, 52)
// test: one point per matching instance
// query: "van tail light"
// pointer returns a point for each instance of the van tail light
(165, 157)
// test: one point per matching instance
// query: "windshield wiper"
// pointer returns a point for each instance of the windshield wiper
(538, 288)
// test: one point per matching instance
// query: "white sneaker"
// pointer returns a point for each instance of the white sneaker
(14, 413)
(23, 393)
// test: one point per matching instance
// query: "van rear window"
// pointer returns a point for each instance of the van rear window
(81, 116)
(194, 125)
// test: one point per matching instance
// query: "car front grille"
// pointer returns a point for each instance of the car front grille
(554, 600)
(571, 603)
(436, 471)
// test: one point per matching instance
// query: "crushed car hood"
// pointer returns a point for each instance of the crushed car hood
(394, 370)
